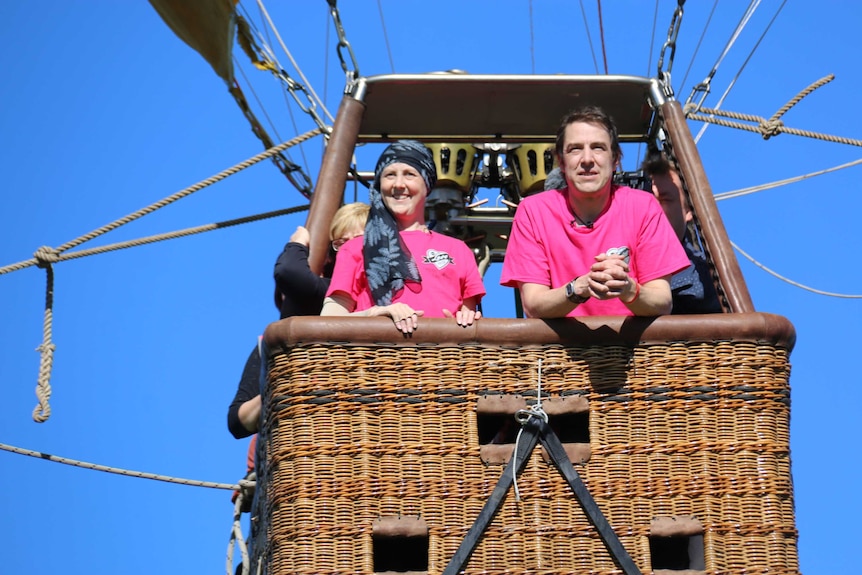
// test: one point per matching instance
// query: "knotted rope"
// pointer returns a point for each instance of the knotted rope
(159, 204)
(767, 128)
(522, 416)
(46, 256)
(245, 492)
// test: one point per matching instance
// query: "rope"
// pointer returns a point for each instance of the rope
(46, 256)
(790, 281)
(704, 86)
(769, 128)
(243, 483)
(796, 99)
(741, 68)
(260, 105)
(763, 187)
(42, 411)
(522, 416)
(181, 233)
(160, 204)
(602, 36)
(236, 538)
(326, 59)
(292, 61)
(699, 42)
(532, 40)
(589, 37)
(651, 45)
(286, 101)
(386, 36)
(287, 167)
(772, 126)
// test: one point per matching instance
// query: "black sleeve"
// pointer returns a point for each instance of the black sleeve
(303, 290)
(249, 387)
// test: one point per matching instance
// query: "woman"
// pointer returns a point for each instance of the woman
(298, 292)
(301, 290)
(400, 268)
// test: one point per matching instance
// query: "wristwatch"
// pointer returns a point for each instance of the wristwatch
(572, 296)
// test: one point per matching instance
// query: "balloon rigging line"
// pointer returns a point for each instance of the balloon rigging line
(125, 472)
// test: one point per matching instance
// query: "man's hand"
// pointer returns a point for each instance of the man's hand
(609, 277)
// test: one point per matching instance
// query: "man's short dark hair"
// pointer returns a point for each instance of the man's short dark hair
(656, 163)
(589, 115)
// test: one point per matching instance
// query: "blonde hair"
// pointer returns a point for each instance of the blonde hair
(348, 217)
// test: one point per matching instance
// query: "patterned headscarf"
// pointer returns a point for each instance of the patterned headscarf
(388, 262)
(555, 180)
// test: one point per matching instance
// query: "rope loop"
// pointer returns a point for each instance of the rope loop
(522, 416)
(247, 486)
(244, 494)
(42, 412)
(45, 256)
(771, 127)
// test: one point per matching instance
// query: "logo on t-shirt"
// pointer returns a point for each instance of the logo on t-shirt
(439, 259)
(623, 251)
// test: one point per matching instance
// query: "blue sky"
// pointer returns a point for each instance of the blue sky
(104, 111)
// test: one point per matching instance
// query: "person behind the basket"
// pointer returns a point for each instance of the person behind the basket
(400, 268)
(591, 247)
(298, 291)
(692, 289)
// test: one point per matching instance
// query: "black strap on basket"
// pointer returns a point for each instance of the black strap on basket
(535, 428)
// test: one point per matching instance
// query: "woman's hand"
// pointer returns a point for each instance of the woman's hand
(406, 319)
(465, 316)
(301, 236)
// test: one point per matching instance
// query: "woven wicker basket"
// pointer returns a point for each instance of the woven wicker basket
(688, 422)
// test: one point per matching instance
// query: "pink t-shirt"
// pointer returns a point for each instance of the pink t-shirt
(546, 248)
(447, 267)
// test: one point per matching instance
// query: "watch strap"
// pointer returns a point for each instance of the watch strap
(572, 296)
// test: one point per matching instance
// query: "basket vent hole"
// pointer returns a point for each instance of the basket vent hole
(400, 554)
(677, 553)
(497, 429)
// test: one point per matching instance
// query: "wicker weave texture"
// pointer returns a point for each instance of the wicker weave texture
(693, 430)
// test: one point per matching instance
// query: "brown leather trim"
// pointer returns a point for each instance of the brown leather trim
(500, 404)
(600, 330)
(492, 454)
(329, 190)
(568, 404)
(702, 200)
(675, 526)
(400, 527)
(578, 453)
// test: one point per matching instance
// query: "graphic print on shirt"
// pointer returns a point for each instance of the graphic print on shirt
(439, 259)
(622, 251)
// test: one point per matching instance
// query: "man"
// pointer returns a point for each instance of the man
(692, 289)
(592, 247)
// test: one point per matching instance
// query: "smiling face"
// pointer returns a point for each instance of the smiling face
(587, 158)
(404, 191)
